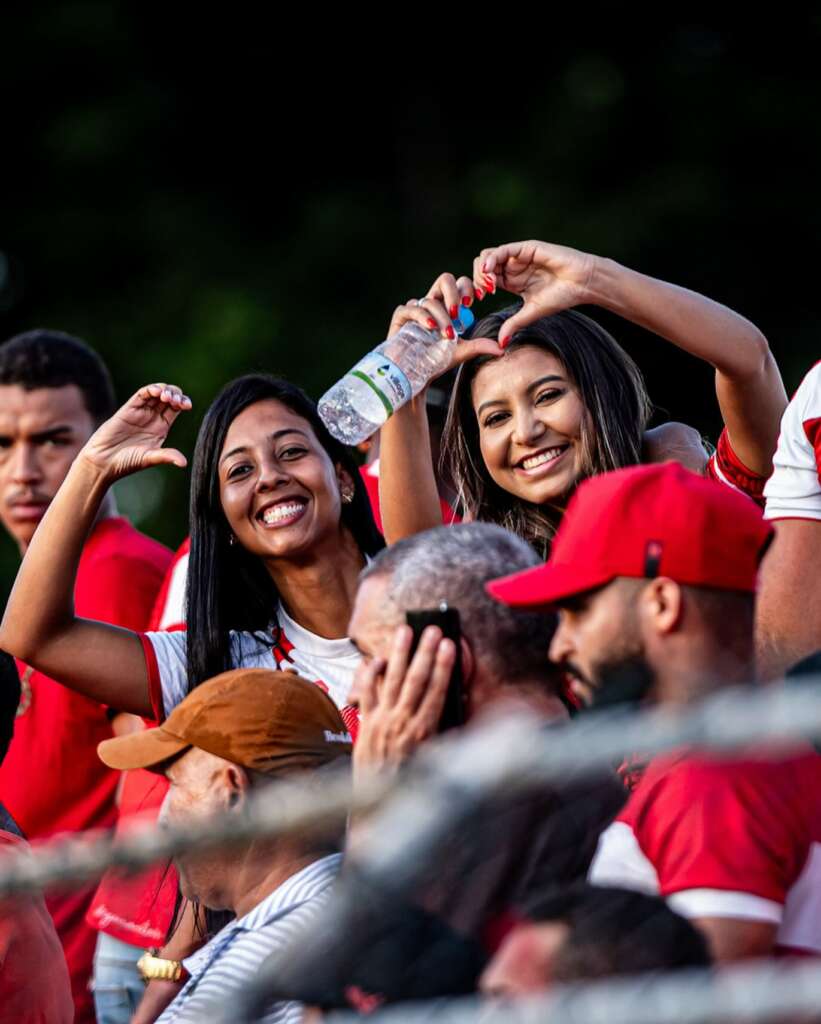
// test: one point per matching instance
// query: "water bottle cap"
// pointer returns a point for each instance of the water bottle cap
(464, 321)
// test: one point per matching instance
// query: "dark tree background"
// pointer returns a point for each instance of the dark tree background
(198, 194)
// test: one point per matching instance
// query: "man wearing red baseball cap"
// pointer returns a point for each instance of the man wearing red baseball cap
(653, 572)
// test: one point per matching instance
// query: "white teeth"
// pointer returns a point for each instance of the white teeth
(541, 458)
(276, 513)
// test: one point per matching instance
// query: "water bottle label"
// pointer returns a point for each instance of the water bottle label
(386, 379)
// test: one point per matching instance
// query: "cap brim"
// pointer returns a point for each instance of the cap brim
(544, 586)
(146, 749)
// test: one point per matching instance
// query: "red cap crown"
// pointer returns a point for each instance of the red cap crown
(658, 520)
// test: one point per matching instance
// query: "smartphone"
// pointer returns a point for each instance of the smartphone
(447, 619)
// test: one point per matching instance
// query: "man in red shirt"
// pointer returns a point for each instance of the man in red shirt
(54, 392)
(29, 947)
(654, 573)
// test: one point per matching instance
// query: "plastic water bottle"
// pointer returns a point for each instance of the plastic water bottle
(388, 377)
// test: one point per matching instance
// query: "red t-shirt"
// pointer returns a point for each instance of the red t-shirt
(370, 476)
(725, 838)
(34, 984)
(138, 908)
(52, 780)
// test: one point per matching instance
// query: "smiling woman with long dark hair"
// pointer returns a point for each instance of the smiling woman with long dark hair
(281, 527)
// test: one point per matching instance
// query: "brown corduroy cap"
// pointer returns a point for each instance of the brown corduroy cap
(263, 720)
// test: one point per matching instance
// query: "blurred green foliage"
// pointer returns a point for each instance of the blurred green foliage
(201, 195)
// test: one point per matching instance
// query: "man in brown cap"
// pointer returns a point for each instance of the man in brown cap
(227, 738)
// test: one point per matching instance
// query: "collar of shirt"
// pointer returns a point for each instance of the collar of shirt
(298, 889)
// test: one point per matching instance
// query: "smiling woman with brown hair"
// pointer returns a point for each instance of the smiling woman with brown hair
(545, 397)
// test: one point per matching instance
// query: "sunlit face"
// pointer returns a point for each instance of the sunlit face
(373, 624)
(530, 419)
(523, 964)
(199, 788)
(41, 432)
(279, 490)
(598, 635)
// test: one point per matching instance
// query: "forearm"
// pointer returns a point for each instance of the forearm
(408, 496)
(41, 605)
(700, 326)
(748, 383)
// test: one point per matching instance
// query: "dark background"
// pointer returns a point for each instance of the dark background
(202, 194)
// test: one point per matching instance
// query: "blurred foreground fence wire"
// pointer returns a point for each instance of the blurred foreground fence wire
(451, 776)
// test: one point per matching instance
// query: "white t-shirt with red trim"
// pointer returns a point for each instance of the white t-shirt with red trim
(794, 489)
(329, 663)
(736, 839)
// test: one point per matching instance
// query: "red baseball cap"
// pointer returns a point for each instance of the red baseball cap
(659, 520)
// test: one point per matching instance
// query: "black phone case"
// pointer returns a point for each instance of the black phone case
(447, 619)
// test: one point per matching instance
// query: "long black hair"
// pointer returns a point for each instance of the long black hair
(228, 588)
(611, 388)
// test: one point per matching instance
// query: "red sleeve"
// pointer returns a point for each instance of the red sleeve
(812, 429)
(154, 680)
(727, 468)
(705, 825)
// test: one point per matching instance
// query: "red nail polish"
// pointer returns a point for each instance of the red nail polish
(454, 312)
(431, 322)
(504, 342)
(479, 293)
(449, 332)
(466, 300)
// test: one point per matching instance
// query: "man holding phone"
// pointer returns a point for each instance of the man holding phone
(473, 657)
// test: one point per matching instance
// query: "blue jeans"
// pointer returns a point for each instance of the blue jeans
(117, 984)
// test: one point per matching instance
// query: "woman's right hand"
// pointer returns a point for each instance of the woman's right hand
(133, 438)
(437, 309)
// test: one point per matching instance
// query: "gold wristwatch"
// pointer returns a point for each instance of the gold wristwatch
(155, 968)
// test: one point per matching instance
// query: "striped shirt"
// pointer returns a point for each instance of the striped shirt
(232, 959)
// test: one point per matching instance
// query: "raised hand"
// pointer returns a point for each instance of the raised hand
(401, 701)
(549, 278)
(437, 308)
(134, 436)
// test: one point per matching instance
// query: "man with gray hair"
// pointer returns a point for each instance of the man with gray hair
(391, 944)
(503, 651)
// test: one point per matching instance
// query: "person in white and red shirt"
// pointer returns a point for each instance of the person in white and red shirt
(653, 573)
(789, 603)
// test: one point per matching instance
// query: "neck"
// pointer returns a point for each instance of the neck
(260, 872)
(527, 695)
(318, 592)
(705, 671)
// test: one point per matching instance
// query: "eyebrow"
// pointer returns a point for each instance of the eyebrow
(531, 387)
(44, 435)
(52, 432)
(277, 434)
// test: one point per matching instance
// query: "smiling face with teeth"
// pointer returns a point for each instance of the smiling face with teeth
(530, 420)
(279, 489)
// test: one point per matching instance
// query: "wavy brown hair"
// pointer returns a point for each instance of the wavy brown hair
(613, 393)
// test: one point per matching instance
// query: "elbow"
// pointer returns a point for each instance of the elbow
(18, 642)
(759, 361)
